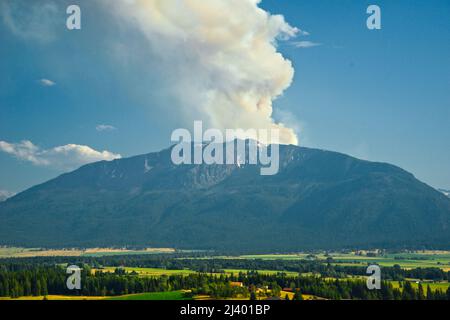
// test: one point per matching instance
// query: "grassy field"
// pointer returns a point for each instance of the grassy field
(147, 272)
(54, 297)
(172, 295)
(433, 285)
(407, 260)
(425, 259)
(268, 272)
(152, 272)
(396, 284)
(12, 252)
(283, 295)
(9, 252)
(422, 259)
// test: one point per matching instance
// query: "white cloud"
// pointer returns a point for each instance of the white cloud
(66, 157)
(303, 33)
(31, 20)
(221, 56)
(105, 127)
(305, 44)
(47, 82)
(5, 195)
(360, 151)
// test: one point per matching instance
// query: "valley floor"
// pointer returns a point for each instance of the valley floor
(408, 274)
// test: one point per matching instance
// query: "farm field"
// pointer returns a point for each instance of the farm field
(171, 295)
(267, 272)
(54, 297)
(13, 252)
(283, 295)
(157, 276)
(433, 285)
(147, 272)
(406, 261)
(426, 259)
(152, 272)
(418, 259)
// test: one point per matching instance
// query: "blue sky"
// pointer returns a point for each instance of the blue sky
(381, 95)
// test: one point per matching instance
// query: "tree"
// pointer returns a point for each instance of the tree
(421, 295)
(298, 295)
(276, 289)
(430, 295)
(408, 291)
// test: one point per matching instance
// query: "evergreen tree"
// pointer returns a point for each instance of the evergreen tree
(421, 295)
(430, 295)
(298, 295)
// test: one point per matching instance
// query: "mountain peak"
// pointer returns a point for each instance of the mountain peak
(446, 192)
(147, 200)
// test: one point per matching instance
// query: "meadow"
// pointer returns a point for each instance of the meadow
(433, 285)
(418, 259)
(15, 252)
(147, 272)
(170, 295)
(120, 270)
(155, 272)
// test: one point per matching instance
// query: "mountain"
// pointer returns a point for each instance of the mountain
(446, 192)
(5, 195)
(319, 199)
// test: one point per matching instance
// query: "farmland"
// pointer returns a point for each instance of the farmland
(152, 272)
(147, 272)
(424, 259)
(14, 252)
(165, 274)
(170, 295)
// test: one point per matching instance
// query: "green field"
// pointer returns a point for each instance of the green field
(15, 252)
(405, 260)
(172, 295)
(148, 272)
(155, 272)
(433, 285)
(54, 297)
(268, 272)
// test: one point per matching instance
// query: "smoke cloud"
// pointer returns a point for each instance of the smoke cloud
(221, 56)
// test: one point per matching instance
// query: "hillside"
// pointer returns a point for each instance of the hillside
(319, 199)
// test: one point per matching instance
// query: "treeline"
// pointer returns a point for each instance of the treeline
(182, 261)
(42, 281)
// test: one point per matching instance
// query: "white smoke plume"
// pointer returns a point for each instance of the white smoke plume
(222, 56)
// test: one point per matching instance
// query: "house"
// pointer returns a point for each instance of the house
(236, 284)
